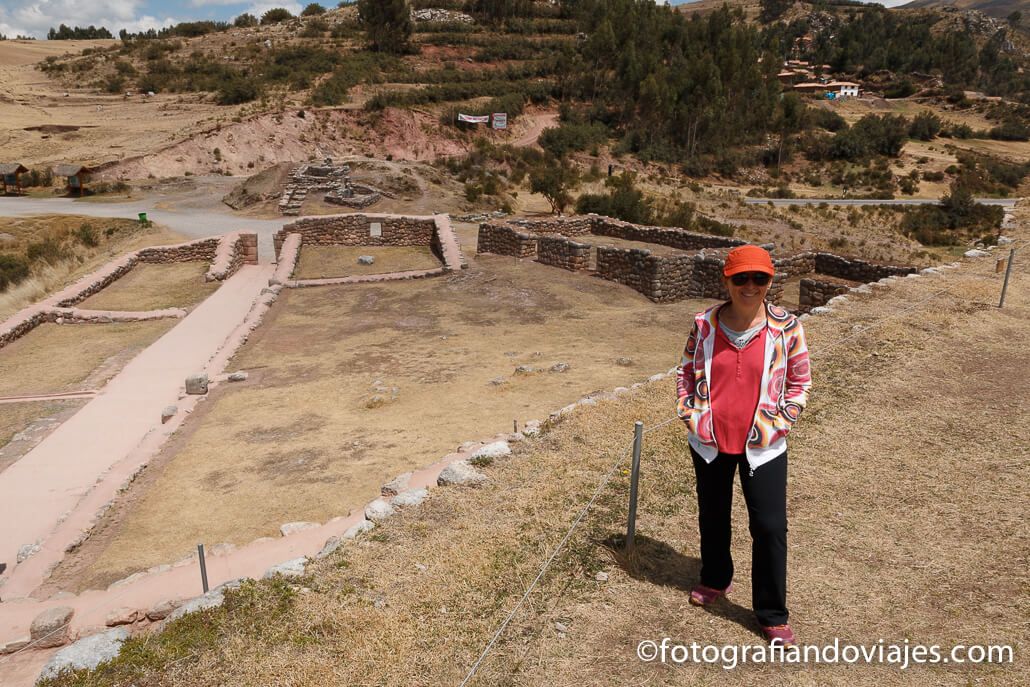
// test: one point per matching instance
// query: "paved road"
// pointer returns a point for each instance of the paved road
(194, 222)
(1004, 202)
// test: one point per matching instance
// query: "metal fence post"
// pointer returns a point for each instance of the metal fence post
(1008, 269)
(634, 479)
(203, 566)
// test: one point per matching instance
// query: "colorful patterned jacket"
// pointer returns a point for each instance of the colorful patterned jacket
(786, 379)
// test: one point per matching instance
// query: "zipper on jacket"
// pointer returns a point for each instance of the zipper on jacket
(751, 472)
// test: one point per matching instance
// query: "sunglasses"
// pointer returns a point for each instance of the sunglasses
(757, 278)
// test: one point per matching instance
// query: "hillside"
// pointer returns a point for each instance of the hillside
(994, 8)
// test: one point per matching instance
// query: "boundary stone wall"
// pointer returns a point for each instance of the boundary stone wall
(433, 231)
(816, 291)
(357, 230)
(663, 236)
(193, 251)
(857, 270)
(563, 252)
(505, 240)
(694, 273)
(234, 250)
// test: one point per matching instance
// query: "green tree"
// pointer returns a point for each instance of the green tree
(553, 179)
(499, 10)
(312, 10)
(387, 24)
(245, 20)
(791, 117)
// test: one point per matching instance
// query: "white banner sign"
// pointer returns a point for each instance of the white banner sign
(500, 120)
(474, 119)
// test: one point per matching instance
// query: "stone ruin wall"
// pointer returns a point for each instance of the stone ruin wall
(667, 278)
(662, 278)
(563, 252)
(816, 291)
(663, 236)
(505, 240)
(17, 327)
(857, 270)
(355, 230)
(195, 251)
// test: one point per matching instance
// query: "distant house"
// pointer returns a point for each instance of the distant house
(811, 87)
(843, 89)
(78, 176)
(10, 174)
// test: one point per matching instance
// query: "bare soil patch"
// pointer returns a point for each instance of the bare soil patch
(342, 261)
(351, 386)
(155, 287)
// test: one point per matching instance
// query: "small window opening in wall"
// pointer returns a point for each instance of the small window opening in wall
(375, 229)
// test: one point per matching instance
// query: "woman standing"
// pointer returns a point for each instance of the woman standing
(742, 383)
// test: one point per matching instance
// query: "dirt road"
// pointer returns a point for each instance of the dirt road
(188, 216)
(537, 124)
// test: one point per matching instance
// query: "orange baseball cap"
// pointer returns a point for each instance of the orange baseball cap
(748, 259)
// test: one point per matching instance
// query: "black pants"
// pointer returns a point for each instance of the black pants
(765, 493)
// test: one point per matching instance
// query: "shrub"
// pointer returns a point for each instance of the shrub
(899, 89)
(245, 20)
(48, 250)
(623, 201)
(925, 126)
(87, 235)
(314, 28)
(957, 131)
(312, 10)
(933, 176)
(826, 119)
(39, 177)
(237, 90)
(571, 136)
(124, 68)
(276, 15)
(13, 269)
(1012, 129)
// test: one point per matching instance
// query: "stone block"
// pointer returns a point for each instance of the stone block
(196, 385)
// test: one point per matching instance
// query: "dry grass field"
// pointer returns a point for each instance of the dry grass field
(342, 261)
(155, 287)
(89, 355)
(350, 386)
(906, 504)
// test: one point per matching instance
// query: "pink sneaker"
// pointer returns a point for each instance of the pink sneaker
(701, 595)
(783, 633)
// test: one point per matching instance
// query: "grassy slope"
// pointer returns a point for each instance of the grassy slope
(906, 507)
